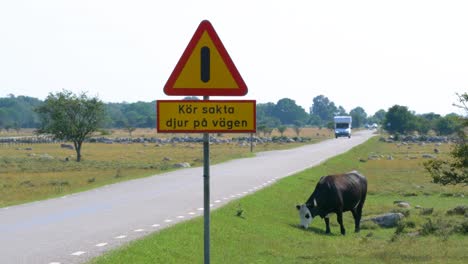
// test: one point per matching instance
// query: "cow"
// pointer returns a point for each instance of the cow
(336, 194)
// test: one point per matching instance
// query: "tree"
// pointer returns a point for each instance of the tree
(265, 115)
(287, 111)
(455, 169)
(359, 117)
(19, 111)
(378, 117)
(298, 127)
(421, 124)
(70, 117)
(130, 130)
(282, 129)
(324, 109)
(447, 125)
(399, 120)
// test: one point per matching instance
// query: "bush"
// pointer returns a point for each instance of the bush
(462, 228)
(439, 227)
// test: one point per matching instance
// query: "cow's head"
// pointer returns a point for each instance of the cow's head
(305, 215)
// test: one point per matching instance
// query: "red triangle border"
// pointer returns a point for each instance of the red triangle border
(169, 89)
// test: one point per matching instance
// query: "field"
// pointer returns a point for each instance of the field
(263, 227)
(30, 172)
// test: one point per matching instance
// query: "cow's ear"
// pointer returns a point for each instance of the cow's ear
(298, 207)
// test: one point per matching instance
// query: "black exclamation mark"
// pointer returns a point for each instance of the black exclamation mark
(205, 64)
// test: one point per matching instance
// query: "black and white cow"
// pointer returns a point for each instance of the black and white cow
(336, 194)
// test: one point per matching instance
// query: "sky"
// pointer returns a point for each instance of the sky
(372, 54)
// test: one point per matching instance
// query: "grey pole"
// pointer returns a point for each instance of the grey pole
(206, 193)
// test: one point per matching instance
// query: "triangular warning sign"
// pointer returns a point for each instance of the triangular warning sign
(205, 68)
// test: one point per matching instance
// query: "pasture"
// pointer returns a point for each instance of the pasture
(263, 227)
(30, 172)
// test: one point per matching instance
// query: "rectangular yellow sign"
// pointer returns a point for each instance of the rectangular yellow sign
(215, 116)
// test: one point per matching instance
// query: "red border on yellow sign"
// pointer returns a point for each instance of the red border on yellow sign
(240, 90)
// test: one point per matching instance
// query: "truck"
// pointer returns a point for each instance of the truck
(343, 126)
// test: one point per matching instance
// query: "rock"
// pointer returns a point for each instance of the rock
(428, 156)
(182, 165)
(418, 207)
(167, 159)
(386, 220)
(390, 157)
(67, 146)
(403, 205)
(45, 157)
(436, 150)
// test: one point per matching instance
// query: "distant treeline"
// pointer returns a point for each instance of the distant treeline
(18, 112)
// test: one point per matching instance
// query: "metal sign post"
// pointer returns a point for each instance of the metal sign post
(194, 75)
(206, 194)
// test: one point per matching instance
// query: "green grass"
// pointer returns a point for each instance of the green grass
(268, 230)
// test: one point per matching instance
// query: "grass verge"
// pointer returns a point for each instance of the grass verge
(267, 231)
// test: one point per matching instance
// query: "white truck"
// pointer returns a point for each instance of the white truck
(343, 126)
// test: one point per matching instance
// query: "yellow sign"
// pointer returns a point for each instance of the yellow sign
(220, 116)
(205, 68)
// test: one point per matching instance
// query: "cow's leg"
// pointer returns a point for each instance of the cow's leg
(357, 219)
(327, 224)
(339, 216)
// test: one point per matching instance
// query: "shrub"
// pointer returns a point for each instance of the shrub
(462, 228)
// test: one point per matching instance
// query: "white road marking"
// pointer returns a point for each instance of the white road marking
(156, 225)
(232, 196)
(200, 209)
(217, 201)
(54, 263)
(78, 253)
(121, 236)
(211, 205)
(245, 192)
(101, 244)
(167, 221)
(225, 198)
(138, 230)
(191, 213)
(180, 216)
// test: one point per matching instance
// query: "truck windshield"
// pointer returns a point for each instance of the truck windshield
(342, 125)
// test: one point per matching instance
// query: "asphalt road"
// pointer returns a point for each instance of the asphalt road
(75, 228)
